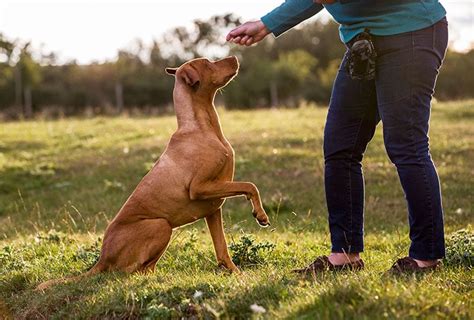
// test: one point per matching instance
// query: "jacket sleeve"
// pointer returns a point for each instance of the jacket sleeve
(289, 14)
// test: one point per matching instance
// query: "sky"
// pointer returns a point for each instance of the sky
(93, 30)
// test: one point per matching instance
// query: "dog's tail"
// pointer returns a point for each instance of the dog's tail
(47, 284)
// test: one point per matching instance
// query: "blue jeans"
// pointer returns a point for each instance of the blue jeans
(400, 96)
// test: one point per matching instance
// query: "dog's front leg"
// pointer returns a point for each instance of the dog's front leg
(214, 223)
(220, 190)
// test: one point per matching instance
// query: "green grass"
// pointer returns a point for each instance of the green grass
(62, 181)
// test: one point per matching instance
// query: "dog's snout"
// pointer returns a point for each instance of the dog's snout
(231, 61)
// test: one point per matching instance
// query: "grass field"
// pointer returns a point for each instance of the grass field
(62, 181)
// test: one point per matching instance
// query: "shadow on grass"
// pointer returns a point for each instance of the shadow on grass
(15, 145)
(268, 295)
(346, 303)
(63, 300)
(356, 300)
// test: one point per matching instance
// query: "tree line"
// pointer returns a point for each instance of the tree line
(299, 66)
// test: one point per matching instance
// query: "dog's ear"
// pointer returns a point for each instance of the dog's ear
(171, 71)
(190, 76)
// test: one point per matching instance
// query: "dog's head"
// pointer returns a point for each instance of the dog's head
(204, 75)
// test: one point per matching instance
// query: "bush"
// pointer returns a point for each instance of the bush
(460, 249)
(89, 255)
(247, 252)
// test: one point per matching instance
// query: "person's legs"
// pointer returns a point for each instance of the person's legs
(407, 67)
(350, 125)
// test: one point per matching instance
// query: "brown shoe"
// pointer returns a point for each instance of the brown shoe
(322, 264)
(408, 265)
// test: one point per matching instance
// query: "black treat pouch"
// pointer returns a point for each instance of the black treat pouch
(360, 63)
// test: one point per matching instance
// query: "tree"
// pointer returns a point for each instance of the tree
(28, 76)
(454, 82)
(6, 71)
(291, 71)
(203, 38)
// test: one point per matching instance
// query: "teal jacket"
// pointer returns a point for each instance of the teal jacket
(381, 17)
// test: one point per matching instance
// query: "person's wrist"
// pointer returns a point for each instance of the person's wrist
(263, 28)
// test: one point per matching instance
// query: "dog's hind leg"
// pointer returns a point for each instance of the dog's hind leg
(159, 235)
(133, 246)
(128, 247)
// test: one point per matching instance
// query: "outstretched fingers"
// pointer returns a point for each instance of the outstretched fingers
(238, 32)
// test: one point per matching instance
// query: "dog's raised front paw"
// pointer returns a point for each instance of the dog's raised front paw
(261, 218)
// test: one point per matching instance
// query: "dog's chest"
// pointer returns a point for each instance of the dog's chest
(227, 162)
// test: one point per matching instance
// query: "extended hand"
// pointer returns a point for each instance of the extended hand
(248, 33)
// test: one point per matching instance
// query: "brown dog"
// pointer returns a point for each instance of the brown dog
(190, 181)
